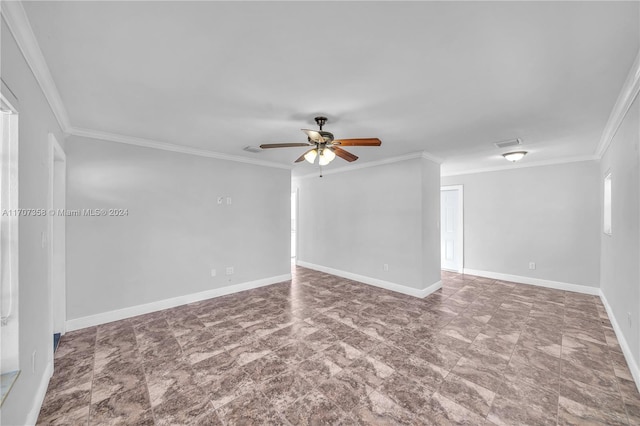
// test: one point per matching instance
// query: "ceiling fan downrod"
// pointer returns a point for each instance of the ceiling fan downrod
(321, 121)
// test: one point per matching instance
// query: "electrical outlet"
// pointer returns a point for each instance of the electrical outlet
(385, 267)
(229, 201)
(229, 270)
(213, 272)
(532, 265)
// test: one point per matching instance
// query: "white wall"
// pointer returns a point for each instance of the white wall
(175, 231)
(36, 121)
(620, 277)
(548, 215)
(357, 221)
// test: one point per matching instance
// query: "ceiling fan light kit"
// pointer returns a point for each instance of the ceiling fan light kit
(514, 156)
(324, 146)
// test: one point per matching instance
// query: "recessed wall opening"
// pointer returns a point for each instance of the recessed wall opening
(294, 225)
(606, 216)
(9, 317)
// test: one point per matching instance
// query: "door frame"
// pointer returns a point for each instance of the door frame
(293, 252)
(460, 239)
(56, 240)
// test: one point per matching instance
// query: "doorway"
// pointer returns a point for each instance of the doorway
(451, 230)
(294, 224)
(57, 222)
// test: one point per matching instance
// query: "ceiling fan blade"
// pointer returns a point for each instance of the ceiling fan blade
(345, 155)
(314, 135)
(301, 158)
(282, 145)
(358, 142)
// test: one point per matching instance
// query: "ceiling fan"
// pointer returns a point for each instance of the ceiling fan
(324, 146)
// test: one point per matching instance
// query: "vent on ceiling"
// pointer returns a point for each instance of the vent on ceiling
(254, 149)
(505, 144)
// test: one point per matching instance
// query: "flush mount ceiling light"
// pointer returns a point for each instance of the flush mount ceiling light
(514, 156)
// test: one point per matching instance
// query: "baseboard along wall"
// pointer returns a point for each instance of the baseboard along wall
(132, 311)
(399, 288)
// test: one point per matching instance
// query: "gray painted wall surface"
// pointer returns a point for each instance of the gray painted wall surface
(175, 231)
(430, 222)
(620, 279)
(36, 121)
(548, 215)
(357, 221)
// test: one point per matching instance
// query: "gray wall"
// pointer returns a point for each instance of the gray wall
(547, 214)
(36, 121)
(359, 220)
(430, 222)
(175, 231)
(620, 277)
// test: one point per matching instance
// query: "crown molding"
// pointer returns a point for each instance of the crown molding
(627, 95)
(523, 165)
(428, 156)
(390, 160)
(147, 143)
(16, 19)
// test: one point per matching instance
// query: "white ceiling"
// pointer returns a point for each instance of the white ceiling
(448, 78)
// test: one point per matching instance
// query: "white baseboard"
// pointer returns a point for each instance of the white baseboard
(628, 354)
(558, 285)
(38, 399)
(399, 288)
(132, 311)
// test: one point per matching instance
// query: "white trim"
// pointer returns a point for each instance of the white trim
(428, 156)
(56, 153)
(166, 146)
(517, 166)
(627, 95)
(398, 288)
(460, 245)
(628, 354)
(390, 160)
(32, 416)
(18, 23)
(132, 311)
(558, 285)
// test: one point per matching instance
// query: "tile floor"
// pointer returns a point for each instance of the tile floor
(325, 350)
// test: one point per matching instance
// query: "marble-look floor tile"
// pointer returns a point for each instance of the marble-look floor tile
(320, 349)
(283, 389)
(131, 376)
(379, 409)
(468, 394)
(405, 392)
(130, 407)
(443, 411)
(252, 408)
(265, 367)
(185, 407)
(69, 406)
(582, 403)
(506, 412)
(346, 390)
(316, 409)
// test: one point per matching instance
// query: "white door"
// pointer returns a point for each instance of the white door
(451, 228)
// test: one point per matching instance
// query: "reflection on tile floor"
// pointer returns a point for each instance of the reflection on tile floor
(326, 350)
